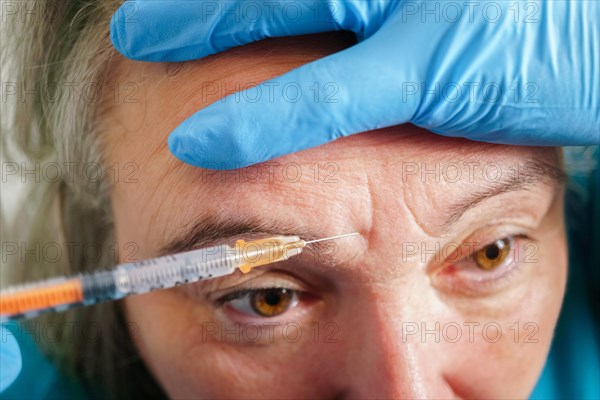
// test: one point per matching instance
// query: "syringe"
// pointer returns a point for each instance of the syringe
(58, 294)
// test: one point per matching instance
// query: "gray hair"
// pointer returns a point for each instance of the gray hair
(54, 53)
(66, 42)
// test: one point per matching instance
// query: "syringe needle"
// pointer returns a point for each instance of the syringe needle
(332, 238)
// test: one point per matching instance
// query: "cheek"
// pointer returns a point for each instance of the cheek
(525, 327)
(166, 323)
(193, 355)
(549, 264)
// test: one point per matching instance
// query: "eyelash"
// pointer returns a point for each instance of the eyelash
(245, 292)
(226, 300)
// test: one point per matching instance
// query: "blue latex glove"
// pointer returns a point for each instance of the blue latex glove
(10, 358)
(541, 56)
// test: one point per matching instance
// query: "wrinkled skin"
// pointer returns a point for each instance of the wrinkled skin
(386, 314)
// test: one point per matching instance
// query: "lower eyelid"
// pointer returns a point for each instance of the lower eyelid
(233, 316)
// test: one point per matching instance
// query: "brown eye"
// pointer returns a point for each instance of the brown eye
(494, 254)
(271, 302)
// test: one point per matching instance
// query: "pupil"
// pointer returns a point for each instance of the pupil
(272, 298)
(492, 251)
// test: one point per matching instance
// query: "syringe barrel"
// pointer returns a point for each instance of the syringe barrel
(57, 294)
(170, 271)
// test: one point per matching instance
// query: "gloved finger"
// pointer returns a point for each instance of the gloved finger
(181, 30)
(306, 107)
(10, 358)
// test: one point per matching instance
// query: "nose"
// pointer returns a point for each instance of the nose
(382, 364)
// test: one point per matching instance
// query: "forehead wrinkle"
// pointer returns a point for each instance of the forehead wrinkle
(434, 147)
(166, 195)
(423, 198)
(371, 207)
(410, 205)
(541, 173)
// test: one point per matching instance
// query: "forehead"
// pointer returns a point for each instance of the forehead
(392, 177)
(161, 96)
(343, 180)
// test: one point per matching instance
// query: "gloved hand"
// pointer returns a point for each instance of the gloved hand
(496, 71)
(10, 358)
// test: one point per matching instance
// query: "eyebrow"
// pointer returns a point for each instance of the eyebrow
(531, 174)
(212, 231)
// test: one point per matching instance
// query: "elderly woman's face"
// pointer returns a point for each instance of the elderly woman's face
(452, 289)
